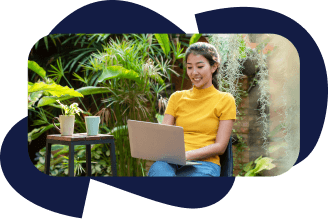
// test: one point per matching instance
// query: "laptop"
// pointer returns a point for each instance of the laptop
(157, 142)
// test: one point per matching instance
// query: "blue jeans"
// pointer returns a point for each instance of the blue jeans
(207, 169)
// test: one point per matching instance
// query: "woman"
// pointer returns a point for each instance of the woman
(206, 115)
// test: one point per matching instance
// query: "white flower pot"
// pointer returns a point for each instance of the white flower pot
(66, 124)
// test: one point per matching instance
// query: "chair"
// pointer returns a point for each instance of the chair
(226, 161)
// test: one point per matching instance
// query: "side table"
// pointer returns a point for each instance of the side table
(80, 139)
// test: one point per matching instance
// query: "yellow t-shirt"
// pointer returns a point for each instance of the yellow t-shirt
(199, 112)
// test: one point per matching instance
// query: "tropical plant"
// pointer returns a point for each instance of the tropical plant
(75, 48)
(89, 43)
(46, 41)
(123, 78)
(164, 42)
(71, 110)
(129, 75)
(194, 38)
(175, 49)
(100, 160)
(254, 168)
(45, 89)
(36, 90)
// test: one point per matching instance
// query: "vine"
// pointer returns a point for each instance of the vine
(263, 83)
(233, 52)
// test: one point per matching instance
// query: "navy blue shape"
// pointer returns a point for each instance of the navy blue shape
(313, 78)
(186, 192)
(115, 17)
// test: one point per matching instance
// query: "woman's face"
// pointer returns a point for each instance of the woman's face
(199, 71)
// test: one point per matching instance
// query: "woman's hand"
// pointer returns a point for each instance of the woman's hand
(187, 155)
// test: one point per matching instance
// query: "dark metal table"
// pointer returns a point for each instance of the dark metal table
(80, 139)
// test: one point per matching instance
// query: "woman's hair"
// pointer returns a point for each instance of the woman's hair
(209, 52)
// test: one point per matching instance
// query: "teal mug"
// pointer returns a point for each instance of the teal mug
(92, 125)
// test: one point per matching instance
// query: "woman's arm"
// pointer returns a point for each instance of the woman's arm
(168, 119)
(220, 145)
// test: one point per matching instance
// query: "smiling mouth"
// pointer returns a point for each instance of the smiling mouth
(197, 79)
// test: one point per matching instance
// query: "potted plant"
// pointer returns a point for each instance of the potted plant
(67, 120)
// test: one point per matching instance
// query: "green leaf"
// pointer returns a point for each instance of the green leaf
(159, 118)
(242, 49)
(118, 72)
(65, 149)
(98, 168)
(81, 153)
(194, 38)
(248, 166)
(55, 147)
(36, 45)
(259, 158)
(39, 122)
(103, 163)
(164, 42)
(35, 133)
(33, 98)
(47, 100)
(180, 56)
(46, 42)
(53, 39)
(157, 78)
(264, 164)
(53, 89)
(55, 172)
(79, 78)
(250, 173)
(36, 68)
(93, 90)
